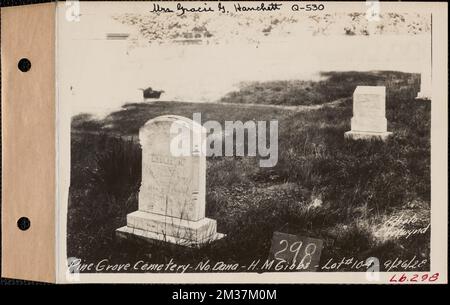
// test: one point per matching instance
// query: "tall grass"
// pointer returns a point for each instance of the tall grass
(332, 86)
(102, 193)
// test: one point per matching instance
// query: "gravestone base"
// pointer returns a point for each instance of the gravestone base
(156, 227)
(366, 135)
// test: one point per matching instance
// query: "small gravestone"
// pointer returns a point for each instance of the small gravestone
(369, 114)
(172, 193)
(425, 86)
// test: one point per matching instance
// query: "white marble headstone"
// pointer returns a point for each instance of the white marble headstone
(369, 113)
(172, 193)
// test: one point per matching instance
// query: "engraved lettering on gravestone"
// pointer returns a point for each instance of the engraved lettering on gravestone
(369, 114)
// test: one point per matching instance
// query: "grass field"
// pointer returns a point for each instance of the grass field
(338, 190)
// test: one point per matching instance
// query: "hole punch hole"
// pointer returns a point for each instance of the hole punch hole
(23, 223)
(24, 65)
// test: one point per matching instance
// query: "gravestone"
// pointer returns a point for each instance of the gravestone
(172, 193)
(369, 114)
(291, 246)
